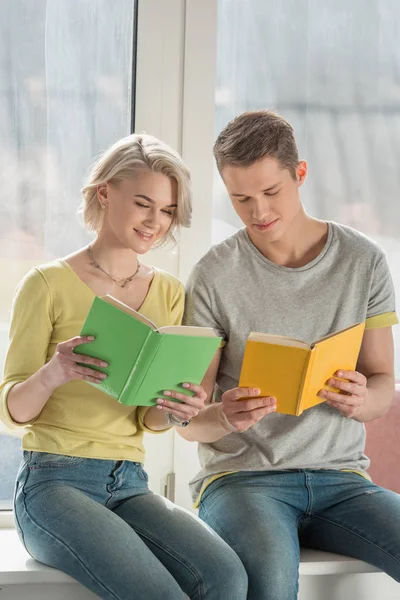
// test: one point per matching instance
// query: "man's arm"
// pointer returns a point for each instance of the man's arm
(230, 415)
(370, 389)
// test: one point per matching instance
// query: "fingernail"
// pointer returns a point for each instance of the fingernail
(340, 373)
(185, 385)
(90, 337)
(167, 393)
(160, 400)
(256, 391)
(104, 363)
(103, 375)
(159, 407)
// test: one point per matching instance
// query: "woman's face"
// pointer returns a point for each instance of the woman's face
(139, 212)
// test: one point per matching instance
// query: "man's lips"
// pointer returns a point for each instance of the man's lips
(266, 225)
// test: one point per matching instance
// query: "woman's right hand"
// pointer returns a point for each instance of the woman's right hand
(243, 407)
(63, 366)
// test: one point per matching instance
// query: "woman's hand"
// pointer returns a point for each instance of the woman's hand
(63, 366)
(188, 407)
(353, 393)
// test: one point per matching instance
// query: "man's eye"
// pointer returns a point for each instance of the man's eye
(244, 199)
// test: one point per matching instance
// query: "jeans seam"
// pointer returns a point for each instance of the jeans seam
(62, 543)
(145, 535)
(23, 495)
(310, 495)
(218, 530)
(362, 537)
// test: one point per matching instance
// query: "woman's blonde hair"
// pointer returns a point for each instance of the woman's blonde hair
(122, 162)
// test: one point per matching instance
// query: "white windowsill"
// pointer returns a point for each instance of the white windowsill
(17, 567)
(6, 520)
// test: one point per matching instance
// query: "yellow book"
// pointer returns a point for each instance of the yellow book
(293, 371)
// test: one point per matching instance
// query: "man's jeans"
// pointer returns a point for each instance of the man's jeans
(266, 516)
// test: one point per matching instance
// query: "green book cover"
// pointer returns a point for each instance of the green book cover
(143, 360)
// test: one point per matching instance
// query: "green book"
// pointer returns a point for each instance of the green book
(143, 360)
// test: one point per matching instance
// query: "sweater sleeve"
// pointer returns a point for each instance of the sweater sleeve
(30, 332)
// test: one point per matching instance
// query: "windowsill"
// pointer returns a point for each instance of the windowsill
(17, 567)
(6, 519)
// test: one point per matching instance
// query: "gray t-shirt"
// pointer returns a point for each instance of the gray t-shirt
(236, 290)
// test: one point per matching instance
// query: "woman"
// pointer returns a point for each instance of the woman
(82, 503)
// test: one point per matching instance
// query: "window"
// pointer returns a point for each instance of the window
(332, 69)
(67, 70)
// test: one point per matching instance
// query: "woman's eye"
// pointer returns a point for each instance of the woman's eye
(168, 212)
(274, 194)
(142, 205)
(244, 199)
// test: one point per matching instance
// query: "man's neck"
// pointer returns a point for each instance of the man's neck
(303, 241)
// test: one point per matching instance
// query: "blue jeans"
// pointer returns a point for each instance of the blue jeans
(266, 517)
(97, 521)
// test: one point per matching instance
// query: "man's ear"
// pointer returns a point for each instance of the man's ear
(301, 172)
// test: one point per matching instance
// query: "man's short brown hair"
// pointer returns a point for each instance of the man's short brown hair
(253, 136)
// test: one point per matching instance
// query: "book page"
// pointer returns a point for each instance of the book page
(327, 337)
(189, 330)
(278, 340)
(128, 310)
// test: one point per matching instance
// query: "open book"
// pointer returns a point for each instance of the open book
(293, 371)
(144, 360)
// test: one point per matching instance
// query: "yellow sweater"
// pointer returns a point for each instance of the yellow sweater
(50, 306)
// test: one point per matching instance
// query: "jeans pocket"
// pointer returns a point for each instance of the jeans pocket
(45, 460)
(142, 473)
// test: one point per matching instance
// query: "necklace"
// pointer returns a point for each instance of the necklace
(123, 282)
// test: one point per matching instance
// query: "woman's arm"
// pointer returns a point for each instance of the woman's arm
(29, 379)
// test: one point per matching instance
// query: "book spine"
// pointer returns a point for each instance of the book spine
(303, 389)
(140, 368)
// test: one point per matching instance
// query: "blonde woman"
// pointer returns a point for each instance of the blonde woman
(82, 502)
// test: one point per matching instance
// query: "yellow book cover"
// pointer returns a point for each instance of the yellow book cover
(293, 371)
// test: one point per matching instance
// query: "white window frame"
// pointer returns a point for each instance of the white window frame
(158, 110)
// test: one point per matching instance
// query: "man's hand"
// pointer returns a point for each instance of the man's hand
(353, 394)
(240, 409)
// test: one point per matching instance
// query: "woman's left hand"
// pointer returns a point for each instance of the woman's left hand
(188, 407)
(353, 393)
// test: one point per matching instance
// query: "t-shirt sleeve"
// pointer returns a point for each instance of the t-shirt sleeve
(381, 303)
(200, 307)
(30, 332)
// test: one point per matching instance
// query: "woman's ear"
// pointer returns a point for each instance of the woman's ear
(102, 194)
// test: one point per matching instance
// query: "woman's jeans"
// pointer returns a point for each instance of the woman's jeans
(97, 521)
(265, 517)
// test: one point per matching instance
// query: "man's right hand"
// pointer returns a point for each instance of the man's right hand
(238, 414)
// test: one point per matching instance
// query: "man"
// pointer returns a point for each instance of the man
(270, 482)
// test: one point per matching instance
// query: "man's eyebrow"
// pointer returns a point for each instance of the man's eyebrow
(152, 201)
(271, 187)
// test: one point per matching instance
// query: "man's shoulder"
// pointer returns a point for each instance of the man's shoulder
(357, 243)
(220, 258)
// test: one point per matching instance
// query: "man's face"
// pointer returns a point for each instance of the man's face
(265, 196)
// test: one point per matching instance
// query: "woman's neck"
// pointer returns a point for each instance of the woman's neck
(114, 258)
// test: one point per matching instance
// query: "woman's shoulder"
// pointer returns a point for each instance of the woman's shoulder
(167, 280)
(51, 273)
